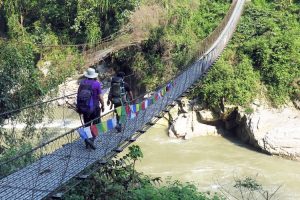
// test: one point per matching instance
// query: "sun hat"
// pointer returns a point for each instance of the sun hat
(90, 73)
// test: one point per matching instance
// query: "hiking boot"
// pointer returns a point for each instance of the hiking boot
(119, 128)
(90, 144)
(87, 146)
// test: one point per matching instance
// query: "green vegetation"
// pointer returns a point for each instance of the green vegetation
(173, 46)
(263, 57)
(247, 189)
(31, 70)
(18, 163)
(68, 21)
(236, 83)
(119, 180)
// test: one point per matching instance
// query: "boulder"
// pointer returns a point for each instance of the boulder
(207, 116)
(297, 104)
(283, 141)
(185, 105)
(180, 126)
(187, 126)
(276, 131)
(172, 133)
(173, 114)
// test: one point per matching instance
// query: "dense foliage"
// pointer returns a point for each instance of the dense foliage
(8, 168)
(69, 21)
(119, 180)
(264, 54)
(172, 46)
(263, 57)
(29, 69)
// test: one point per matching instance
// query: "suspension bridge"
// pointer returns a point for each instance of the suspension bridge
(64, 158)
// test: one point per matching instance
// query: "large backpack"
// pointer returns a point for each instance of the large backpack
(85, 104)
(117, 90)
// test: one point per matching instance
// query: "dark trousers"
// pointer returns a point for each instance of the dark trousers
(117, 116)
(94, 117)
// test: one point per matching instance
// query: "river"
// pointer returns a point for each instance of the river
(214, 162)
(210, 161)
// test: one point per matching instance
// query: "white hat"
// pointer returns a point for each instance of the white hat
(90, 73)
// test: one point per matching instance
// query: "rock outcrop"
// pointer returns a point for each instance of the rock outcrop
(185, 121)
(275, 131)
(187, 126)
(207, 115)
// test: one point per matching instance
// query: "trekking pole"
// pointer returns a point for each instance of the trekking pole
(75, 109)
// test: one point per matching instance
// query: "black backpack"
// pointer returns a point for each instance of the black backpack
(85, 104)
(117, 90)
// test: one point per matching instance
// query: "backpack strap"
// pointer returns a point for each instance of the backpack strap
(85, 85)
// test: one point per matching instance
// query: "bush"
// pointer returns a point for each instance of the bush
(172, 47)
(264, 51)
(17, 164)
(248, 188)
(119, 180)
(237, 83)
(19, 82)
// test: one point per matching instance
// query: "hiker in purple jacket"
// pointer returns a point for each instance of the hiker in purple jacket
(89, 99)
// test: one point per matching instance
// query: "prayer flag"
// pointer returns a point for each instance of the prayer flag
(156, 96)
(128, 110)
(104, 126)
(168, 87)
(138, 107)
(153, 99)
(87, 130)
(82, 133)
(147, 103)
(94, 130)
(163, 91)
(100, 128)
(121, 110)
(144, 104)
(122, 119)
(133, 115)
(133, 108)
(111, 123)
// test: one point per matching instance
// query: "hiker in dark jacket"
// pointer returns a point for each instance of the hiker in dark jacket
(120, 94)
(89, 99)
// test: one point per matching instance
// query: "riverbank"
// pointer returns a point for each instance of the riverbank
(270, 130)
(273, 130)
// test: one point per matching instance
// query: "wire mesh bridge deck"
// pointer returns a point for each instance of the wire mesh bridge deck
(65, 157)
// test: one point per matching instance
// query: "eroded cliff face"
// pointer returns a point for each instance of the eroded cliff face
(274, 131)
